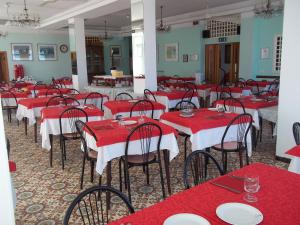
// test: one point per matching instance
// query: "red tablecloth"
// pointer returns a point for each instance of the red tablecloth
(260, 83)
(250, 104)
(205, 86)
(38, 87)
(183, 78)
(24, 94)
(163, 78)
(173, 95)
(295, 151)
(84, 95)
(231, 89)
(125, 106)
(22, 84)
(55, 112)
(35, 102)
(278, 200)
(109, 132)
(42, 92)
(203, 119)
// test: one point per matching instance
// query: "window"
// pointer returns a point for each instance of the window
(222, 28)
(277, 53)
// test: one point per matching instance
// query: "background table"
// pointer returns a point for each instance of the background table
(8, 100)
(278, 200)
(81, 97)
(236, 92)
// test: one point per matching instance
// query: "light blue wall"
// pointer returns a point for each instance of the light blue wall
(257, 33)
(189, 42)
(39, 70)
(124, 42)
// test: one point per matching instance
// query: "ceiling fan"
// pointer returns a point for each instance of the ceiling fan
(46, 2)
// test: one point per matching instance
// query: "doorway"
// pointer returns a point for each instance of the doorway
(4, 73)
(222, 63)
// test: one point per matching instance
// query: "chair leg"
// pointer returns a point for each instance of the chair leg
(162, 180)
(185, 146)
(261, 128)
(120, 175)
(62, 153)
(92, 171)
(241, 158)
(82, 172)
(128, 181)
(147, 174)
(100, 180)
(65, 152)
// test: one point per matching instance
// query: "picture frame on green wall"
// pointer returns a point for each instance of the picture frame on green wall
(115, 50)
(47, 52)
(171, 52)
(21, 52)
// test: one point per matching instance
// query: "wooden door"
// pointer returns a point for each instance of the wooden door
(4, 73)
(212, 63)
(234, 62)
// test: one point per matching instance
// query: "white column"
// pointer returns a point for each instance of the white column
(289, 107)
(79, 42)
(144, 44)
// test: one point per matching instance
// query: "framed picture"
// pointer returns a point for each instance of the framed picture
(47, 52)
(264, 53)
(21, 52)
(185, 57)
(171, 52)
(115, 50)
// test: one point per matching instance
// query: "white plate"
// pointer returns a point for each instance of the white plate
(256, 99)
(186, 219)
(129, 122)
(212, 109)
(133, 101)
(186, 115)
(239, 214)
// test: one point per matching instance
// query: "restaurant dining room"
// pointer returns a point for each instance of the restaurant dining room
(149, 112)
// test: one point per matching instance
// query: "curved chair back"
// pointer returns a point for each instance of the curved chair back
(254, 84)
(56, 100)
(8, 100)
(188, 95)
(232, 104)
(123, 96)
(72, 101)
(94, 98)
(183, 104)
(149, 95)
(38, 86)
(92, 207)
(296, 132)
(142, 107)
(53, 91)
(197, 171)
(73, 91)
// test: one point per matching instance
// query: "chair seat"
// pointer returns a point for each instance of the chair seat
(93, 154)
(9, 107)
(139, 159)
(71, 135)
(230, 145)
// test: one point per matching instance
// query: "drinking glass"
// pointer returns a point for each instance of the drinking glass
(251, 186)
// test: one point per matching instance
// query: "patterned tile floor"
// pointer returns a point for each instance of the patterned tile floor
(44, 193)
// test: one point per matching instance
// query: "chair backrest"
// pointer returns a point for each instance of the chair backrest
(188, 95)
(253, 84)
(72, 101)
(274, 85)
(197, 171)
(123, 96)
(95, 99)
(231, 104)
(56, 100)
(71, 114)
(82, 129)
(145, 134)
(241, 82)
(38, 85)
(190, 85)
(73, 91)
(91, 206)
(142, 106)
(8, 99)
(296, 132)
(240, 125)
(149, 95)
(53, 91)
(183, 104)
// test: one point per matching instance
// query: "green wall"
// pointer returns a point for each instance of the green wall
(39, 70)
(125, 44)
(189, 42)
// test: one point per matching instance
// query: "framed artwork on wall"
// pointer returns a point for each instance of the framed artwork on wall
(185, 57)
(47, 52)
(21, 52)
(264, 53)
(115, 50)
(171, 52)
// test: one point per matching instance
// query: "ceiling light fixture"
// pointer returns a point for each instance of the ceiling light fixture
(106, 36)
(268, 10)
(25, 19)
(162, 27)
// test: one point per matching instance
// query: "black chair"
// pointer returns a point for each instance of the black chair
(149, 95)
(53, 91)
(9, 103)
(240, 125)
(38, 86)
(223, 92)
(142, 106)
(123, 96)
(93, 98)
(89, 154)
(197, 170)
(190, 85)
(73, 91)
(241, 83)
(188, 95)
(145, 133)
(231, 104)
(92, 206)
(70, 132)
(56, 100)
(296, 132)
(254, 84)
(183, 105)
(72, 102)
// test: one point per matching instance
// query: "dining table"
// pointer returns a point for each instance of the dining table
(50, 125)
(205, 127)
(52, 91)
(294, 165)
(98, 101)
(8, 99)
(278, 199)
(236, 92)
(115, 108)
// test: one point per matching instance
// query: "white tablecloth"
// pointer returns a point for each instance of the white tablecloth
(51, 126)
(9, 101)
(295, 165)
(112, 91)
(209, 137)
(31, 114)
(110, 152)
(245, 92)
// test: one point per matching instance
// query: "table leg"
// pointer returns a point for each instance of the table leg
(108, 182)
(35, 132)
(51, 148)
(25, 124)
(167, 168)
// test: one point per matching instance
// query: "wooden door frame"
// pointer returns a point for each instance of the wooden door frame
(214, 75)
(6, 75)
